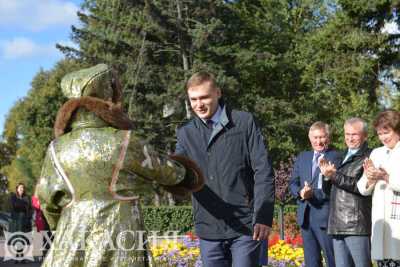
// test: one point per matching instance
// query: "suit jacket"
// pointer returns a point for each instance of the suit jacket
(239, 186)
(318, 205)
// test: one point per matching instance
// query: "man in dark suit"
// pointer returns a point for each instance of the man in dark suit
(234, 210)
(311, 190)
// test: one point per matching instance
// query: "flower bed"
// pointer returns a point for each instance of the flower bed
(288, 253)
(186, 252)
(182, 253)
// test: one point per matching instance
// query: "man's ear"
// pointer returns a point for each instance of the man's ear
(328, 142)
(218, 92)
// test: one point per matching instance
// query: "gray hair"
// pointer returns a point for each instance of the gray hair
(356, 120)
(319, 125)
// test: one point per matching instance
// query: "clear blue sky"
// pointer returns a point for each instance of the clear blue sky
(29, 31)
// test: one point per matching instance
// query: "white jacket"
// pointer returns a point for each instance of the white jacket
(385, 239)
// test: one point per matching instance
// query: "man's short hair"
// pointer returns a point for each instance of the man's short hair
(388, 119)
(319, 125)
(199, 78)
(356, 120)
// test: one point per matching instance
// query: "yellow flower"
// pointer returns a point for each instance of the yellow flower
(282, 251)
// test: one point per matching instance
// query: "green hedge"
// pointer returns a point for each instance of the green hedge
(180, 218)
(166, 218)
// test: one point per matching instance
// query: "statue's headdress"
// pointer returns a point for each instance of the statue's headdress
(96, 89)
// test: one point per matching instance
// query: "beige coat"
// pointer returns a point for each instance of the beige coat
(385, 239)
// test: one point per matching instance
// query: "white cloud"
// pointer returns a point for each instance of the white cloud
(21, 47)
(36, 15)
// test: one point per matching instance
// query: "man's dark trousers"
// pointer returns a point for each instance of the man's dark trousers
(312, 214)
(241, 251)
(316, 239)
(352, 250)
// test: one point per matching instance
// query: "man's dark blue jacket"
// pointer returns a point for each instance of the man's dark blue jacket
(239, 188)
(318, 205)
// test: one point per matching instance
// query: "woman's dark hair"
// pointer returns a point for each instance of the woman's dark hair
(388, 119)
(16, 188)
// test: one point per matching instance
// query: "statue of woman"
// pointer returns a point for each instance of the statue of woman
(90, 174)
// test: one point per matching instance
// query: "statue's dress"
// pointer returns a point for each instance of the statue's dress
(87, 191)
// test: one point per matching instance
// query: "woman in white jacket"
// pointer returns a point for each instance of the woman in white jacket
(382, 179)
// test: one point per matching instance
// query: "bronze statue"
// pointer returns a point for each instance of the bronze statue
(87, 184)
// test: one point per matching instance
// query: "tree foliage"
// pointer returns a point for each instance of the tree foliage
(29, 125)
(290, 62)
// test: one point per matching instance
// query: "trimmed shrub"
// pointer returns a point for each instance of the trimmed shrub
(180, 218)
(168, 218)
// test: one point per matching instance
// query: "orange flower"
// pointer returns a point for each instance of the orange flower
(191, 236)
(294, 240)
(273, 239)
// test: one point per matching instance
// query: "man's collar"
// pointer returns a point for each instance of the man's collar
(353, 151)
(322, 152)
(318, 154)
(216, 117)
(224, 119)
(357, 151)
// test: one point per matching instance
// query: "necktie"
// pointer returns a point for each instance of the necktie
(210, 124)
(315, 163)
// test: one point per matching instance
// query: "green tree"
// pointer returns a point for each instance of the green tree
(269, 72)
(303, 61)
(156, 45)
(29, 125)
(345, 61)
(290, 62)
(5, 159)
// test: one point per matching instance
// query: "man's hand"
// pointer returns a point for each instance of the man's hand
(261, 231)
(306, 192)
(327, 168)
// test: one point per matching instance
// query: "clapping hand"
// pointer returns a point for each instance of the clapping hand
(327, 168)
(374, 174)
(306, 192)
